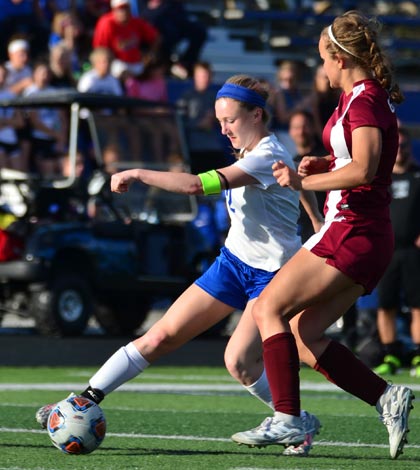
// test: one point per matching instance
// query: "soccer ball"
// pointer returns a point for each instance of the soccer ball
(76, 425)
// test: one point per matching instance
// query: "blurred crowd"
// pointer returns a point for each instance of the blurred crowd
(133, 48)
(318, 7)
(116, 47)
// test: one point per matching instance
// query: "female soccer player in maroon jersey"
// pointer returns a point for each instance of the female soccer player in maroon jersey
(348, 256)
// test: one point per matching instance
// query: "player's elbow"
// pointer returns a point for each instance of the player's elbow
(367, 176)
(364, 175)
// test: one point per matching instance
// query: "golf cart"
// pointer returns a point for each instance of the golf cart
(78, 249)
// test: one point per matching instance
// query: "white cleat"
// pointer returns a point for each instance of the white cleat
(311, 426)
(270, 432)
(43, 413)
(396, 404)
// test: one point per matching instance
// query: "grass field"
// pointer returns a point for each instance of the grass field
(181, 418)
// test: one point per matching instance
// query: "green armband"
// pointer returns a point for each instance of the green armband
(211, 182)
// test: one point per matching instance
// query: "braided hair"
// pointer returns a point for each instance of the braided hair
(357, 36)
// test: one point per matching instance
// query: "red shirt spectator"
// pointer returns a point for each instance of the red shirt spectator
(125, 35)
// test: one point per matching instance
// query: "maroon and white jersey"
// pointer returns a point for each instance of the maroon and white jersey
(367, 105)
(357, 237)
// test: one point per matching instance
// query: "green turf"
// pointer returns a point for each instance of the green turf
(189, 428)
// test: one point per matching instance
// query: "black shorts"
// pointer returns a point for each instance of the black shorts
(400, 284)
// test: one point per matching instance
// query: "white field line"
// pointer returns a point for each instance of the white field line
(140, 409)
(321, 442)
(170, 387)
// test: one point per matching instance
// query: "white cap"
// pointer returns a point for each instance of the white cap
(119, 3)
(17, 45)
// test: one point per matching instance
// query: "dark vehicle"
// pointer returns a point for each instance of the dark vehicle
(76, 250)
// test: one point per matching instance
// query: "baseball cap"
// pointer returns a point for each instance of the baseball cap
(17, 45)
(119, 3)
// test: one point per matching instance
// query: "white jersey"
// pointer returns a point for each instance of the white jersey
(263, 232)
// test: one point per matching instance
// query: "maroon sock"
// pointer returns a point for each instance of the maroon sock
(281, 362)
(341, 367)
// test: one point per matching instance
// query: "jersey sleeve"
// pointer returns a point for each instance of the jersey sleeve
(366, 111)
(258, 165)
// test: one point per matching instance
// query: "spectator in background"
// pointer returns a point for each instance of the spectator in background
(77, 196)
(400, 285)
(303, 133)
(66, 166)
(19, 77)
(10, 120)
(175, 26)
(126, 36)
(202, 129)
(150, 85)
(321, 100)
(99, 78)
(66, 29)
(19, 72)
(49, 126)
(62, 75)
(288, 94)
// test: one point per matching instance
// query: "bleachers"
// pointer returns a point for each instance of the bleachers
(256, 39)
(229, 56)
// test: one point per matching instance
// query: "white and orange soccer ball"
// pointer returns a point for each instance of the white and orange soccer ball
(76, 425)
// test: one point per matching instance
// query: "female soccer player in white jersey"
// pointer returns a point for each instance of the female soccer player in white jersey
(262, 237)
(350, 253)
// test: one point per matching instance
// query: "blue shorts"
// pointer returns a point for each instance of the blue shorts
(232, 281)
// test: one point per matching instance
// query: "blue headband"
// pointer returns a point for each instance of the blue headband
(241, 93)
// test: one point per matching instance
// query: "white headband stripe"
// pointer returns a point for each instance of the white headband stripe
(331, 36)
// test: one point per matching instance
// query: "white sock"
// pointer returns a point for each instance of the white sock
(122, 366)
(289, 419)
(261, 390)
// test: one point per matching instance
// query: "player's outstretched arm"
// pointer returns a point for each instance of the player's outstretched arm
(184, 183)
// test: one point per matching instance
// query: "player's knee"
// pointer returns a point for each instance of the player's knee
(235, 367)
(263, 309)
(240, 369)
(232, 366)
(258, 310)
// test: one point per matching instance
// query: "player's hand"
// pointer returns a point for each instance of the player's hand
(120, 182)
(286, 176)
(312, 165)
